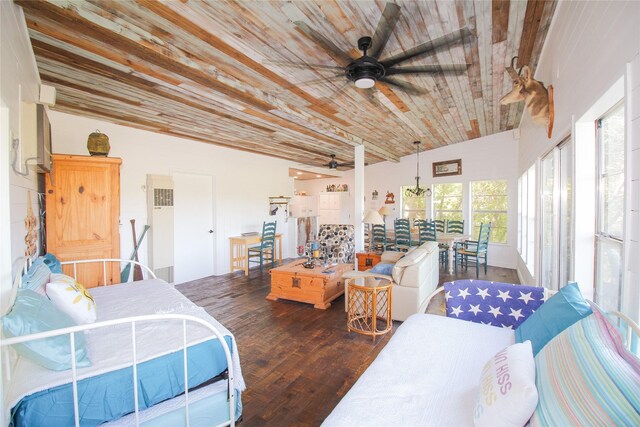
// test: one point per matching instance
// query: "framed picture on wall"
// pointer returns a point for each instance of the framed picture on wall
(449, 167)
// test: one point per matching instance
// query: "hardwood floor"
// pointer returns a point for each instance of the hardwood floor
(297, 361)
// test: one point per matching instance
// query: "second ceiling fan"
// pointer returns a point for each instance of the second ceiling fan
(368, 69)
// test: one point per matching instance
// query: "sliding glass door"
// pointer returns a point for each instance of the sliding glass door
(556, 251)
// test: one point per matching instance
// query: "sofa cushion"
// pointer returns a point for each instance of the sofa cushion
(391, 256)
(408, 260)
(586, 377)
(492, 303)
(429, 246)
(508, 394)
(561, 311)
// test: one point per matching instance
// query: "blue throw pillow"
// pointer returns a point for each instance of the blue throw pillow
(32, 313)
(37, 276)
(382, 268)
(554, 316)
(53, 263)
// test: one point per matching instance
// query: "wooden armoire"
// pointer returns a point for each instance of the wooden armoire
(83, 214)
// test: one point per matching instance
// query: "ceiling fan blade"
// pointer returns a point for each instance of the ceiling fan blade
(421, 69)
(337, 92)
(371, 97)
(427, 47)
(316, 81)
(303, 65)
(338, 55)
(406, 86)
(386, 25)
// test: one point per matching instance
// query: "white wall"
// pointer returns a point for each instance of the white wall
(243, 182)
(19, 82)
(587, 50)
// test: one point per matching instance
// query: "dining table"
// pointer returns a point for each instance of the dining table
(451, 239)
(239, 250)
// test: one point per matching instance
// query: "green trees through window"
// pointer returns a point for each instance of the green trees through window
(447, 201)
(489, 204)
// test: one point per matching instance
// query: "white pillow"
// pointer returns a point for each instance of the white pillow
(72, 298)
(508, 394)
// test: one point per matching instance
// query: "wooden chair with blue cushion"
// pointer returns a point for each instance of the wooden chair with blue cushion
(402, 229)
(475, 249)
(379, 237)
(266, 250)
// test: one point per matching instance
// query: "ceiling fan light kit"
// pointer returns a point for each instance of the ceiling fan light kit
(365, 83)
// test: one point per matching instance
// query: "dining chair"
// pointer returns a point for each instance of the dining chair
(266, 250)
(379, 237)
(440, 224)
(475, 249)
(426, 231)
(402, 230)
(455, 226)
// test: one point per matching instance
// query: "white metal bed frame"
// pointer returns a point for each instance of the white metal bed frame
(9, 361)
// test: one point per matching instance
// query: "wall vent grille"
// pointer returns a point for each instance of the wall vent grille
(162, 197)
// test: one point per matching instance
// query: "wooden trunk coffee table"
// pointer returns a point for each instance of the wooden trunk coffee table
(318, 286)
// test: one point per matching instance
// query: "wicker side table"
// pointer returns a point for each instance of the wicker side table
(369, 307)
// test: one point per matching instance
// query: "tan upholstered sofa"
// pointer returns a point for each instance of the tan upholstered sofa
(415, 276)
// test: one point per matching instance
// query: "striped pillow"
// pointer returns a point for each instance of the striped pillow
(584, 376)
(37, 276)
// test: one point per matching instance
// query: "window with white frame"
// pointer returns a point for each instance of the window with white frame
(413, 207)
(446, 202)
(527, 217)
(489, 204)
(610, 209)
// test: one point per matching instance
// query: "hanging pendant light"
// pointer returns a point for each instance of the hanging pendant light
(417, 191)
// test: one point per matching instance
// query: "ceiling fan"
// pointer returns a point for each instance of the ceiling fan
(333, 163)
(368, 69)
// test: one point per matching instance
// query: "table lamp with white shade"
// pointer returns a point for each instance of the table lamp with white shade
(372, 218)
(385, 211)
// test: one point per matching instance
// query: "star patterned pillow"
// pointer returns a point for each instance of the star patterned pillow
(492, 303)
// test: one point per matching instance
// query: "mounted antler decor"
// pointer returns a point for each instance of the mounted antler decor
(538, 100)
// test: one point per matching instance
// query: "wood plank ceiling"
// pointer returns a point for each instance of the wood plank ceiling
(210, 71)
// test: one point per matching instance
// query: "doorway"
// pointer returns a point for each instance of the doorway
(194, 232)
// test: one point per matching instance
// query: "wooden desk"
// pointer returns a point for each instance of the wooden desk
(450, 239)
(239, 251)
